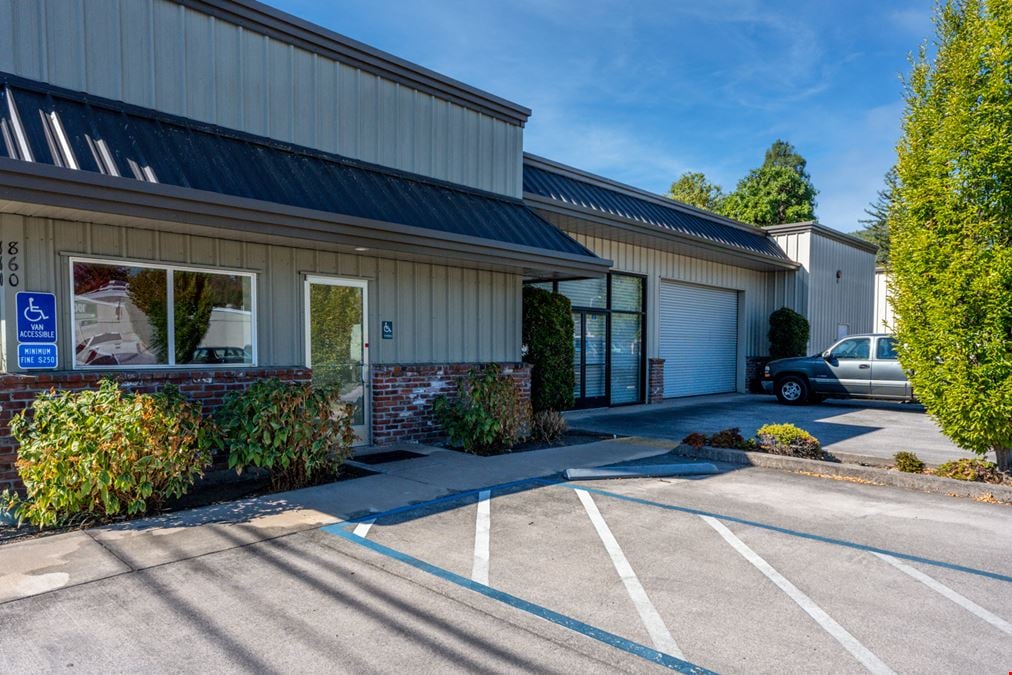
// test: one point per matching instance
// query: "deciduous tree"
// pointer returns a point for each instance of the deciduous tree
(693, 188)
(952, 239)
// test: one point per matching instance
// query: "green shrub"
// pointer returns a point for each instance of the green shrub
(103, 452)
(787, 439)
(788, 334)
(548, 426)
(696, 440)
(299, 433)
(548, 347)
(908, 462)
(488, 413)
(728, 438)
(973, 469)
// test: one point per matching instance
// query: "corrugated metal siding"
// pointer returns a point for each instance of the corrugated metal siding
(159, 54)
(884, 322)
(146, 145)
(441, 314)
(828, 302)
(569, 190)
(762, 291)
(698, 328)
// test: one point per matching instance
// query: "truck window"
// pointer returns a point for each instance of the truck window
(858, 348)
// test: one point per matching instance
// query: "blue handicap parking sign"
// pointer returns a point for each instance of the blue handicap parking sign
(36, 356)
(36, 317)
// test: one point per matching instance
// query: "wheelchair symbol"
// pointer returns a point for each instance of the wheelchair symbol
(34, 314)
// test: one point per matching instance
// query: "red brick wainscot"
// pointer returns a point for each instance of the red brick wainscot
(17, 392)
(402, 397)
(655, 381)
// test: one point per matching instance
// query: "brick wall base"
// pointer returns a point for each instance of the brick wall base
(206, 386)
(655, 381)
(402, 397)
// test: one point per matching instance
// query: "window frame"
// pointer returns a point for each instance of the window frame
(609, 312)
(867, 340)
(169, 268)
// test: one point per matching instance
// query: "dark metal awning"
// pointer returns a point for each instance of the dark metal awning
(644, 217)
(95, 144)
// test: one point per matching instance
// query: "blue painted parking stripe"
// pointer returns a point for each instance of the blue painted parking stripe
(592, 632)
(793, 533)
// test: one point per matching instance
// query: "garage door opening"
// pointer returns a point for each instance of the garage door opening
(698, 339)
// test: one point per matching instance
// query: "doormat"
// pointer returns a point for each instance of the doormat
(389, 456)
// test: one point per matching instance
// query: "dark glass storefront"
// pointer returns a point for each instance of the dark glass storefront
(609, 315)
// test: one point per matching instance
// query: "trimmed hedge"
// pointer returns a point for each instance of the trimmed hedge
(788, 335)
(548, 347)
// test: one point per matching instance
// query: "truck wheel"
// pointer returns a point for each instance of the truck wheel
(792, 390)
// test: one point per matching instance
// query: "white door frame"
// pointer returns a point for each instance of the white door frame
(363, 433)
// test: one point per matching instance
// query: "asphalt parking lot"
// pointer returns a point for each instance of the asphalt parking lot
(871, 428)
(744, 571)
(687, 587)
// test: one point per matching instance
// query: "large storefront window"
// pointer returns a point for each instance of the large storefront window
(608, 320)
(148, 316)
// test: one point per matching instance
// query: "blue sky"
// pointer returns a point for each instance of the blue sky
(643, 91)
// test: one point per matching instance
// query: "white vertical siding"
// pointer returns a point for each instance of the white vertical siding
(159, 54)
(884, 321)
(441, 314)
(829, 302)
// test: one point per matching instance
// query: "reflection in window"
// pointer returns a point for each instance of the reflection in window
(852, 349)
(119, 315)
(626, 293)
(886, 349)
(213, 318)
(586, 292)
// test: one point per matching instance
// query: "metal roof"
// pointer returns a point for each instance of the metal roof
(44, 124)
(548, 180)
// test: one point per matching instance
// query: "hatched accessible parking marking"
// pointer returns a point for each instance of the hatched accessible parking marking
(355, 530)
(849, 642)
(651, 618)
(961, 600)
(603, 636)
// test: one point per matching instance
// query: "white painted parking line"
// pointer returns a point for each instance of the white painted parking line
(849, 642)
(482, 529)
(362, 529)
(964, 602)
(662, 639)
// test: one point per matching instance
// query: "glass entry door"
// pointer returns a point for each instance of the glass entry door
(337, 342)
(590, 358)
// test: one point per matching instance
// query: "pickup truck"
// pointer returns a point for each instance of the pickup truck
(858, 366)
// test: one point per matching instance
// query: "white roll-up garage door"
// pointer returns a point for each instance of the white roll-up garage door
(698, 339)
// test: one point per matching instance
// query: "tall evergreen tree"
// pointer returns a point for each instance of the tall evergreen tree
(876, 225)
(951, 257)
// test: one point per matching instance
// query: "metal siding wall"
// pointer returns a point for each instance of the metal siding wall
(884, 321)
(849, 301)
(158, 54)
(441, 314)
(763, 291)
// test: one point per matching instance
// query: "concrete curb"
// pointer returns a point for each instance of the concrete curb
(641, 471)
(870, 474)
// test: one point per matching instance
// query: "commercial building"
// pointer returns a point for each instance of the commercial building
(211, 192)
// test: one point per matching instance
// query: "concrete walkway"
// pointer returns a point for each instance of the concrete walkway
(30, 567)
(874, 429)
